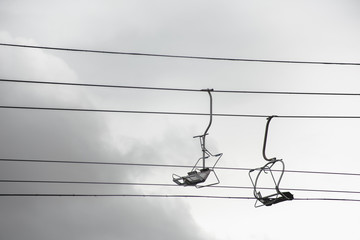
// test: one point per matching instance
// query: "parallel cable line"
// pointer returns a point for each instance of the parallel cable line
(93, 162)
(162, 165)
(288, 93)
(169, 185)
(100, 110)
(161, 196)
(117, 195)
(179, 56)
(176, 113)
(176, 89)
(98, 85)
(328, 199)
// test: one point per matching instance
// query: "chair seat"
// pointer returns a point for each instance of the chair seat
(270, 200)
(193, 177)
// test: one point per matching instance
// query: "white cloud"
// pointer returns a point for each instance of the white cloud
(306, 30)
(72, 136)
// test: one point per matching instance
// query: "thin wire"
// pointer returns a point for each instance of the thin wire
(117, 195)
(176, 113)
(160, 196)
(328, 199)
(98, 85)
(170, 185)
(176, 89)
(180, 56)
(289, 93)
(163, 165)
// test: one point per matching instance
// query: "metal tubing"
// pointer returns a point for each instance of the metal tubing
(208, 127)
(265, 139)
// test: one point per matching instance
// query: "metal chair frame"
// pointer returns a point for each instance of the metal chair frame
(199, 175)
(278, 196)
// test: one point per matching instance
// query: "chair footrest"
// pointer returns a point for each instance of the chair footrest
(284, 196)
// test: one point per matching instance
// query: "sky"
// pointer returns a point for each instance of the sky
(279, 30)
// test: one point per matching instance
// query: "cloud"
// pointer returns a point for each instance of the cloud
(307, 30)
(72, 136)
(95, 218)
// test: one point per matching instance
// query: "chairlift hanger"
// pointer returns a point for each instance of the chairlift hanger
(278, 196)
(199, 175)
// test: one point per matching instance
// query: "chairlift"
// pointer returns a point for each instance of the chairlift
(278, 196)
(199, 175)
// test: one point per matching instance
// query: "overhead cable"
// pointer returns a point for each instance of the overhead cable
(97, 85)
(161, 196)
(161, 165)
(117, 195)
(167, 185)
(176, 113)
(176, 89)
(179, 56)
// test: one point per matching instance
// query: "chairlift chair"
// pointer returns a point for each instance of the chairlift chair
(278, 196)
(197, 174)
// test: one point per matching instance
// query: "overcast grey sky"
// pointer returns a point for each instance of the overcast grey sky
(280, 30)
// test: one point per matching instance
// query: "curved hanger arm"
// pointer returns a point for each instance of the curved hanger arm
(265, 139)
(210, 122)
(202, 138)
